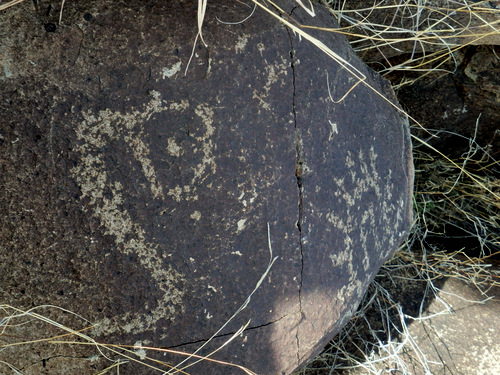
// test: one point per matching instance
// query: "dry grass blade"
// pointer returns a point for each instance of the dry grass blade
(460, 195)
(9, 4)
(14, 317)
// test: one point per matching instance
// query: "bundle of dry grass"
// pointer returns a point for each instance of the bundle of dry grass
(415, 35)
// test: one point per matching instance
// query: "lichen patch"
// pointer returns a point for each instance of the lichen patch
(275, 75)
(196, 215)
(173, 148)
(241, 43)
(106, 199)
(170, 72)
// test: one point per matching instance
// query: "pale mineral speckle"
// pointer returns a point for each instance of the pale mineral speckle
(182, 105)
(212, 288)
(241, 43)
(236, 253)
(275, 76)
(261, 48)
(175, 193)
(241, 224)
(196, 215)
(170, 72)
(173, 148)
(334, 130)
(349, 161)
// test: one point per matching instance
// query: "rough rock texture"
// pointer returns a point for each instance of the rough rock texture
(464, 341)
(455, 334)
(137, 196)
(464, 104)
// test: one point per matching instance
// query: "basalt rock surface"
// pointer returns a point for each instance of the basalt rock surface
(136, 190)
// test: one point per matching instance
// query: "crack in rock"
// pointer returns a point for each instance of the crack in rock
(299, 171)
(229, 333)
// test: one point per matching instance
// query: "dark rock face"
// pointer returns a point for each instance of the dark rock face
(463, 105)
(137, 196)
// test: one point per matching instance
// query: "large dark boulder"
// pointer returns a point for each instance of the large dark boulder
(138, 196)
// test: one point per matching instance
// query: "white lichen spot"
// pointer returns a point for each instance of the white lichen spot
(212, 288)
(333, 131)
(7, 65)
(170, 72)
(172, 147)
(236, 253)
(139, 351)
(241, 224)
(94, 358)
(241, 43)
(196, 215)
